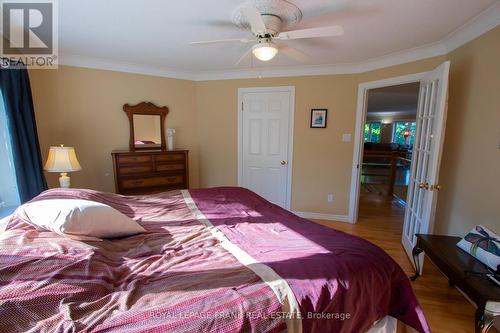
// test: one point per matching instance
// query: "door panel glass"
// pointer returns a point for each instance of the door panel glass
(429, 131)
(422, 196)
(435, 89)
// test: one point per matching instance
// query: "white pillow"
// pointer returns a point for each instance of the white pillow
(483, 244)
(74, 217)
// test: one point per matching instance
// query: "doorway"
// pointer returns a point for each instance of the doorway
(388, 138)
(265, 142)
(424, 156)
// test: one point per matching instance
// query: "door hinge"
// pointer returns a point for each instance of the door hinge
(241, 106)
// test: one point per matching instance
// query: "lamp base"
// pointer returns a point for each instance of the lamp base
(64, 180)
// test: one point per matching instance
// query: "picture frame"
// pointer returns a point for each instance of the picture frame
(318, 118)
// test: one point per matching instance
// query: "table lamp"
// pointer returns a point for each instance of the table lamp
(62, 159)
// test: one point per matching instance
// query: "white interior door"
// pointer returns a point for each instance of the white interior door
(427, 149)
(265, 139)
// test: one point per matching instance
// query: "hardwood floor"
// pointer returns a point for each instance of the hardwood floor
(381, 222)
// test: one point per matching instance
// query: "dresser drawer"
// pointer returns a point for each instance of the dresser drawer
(129, 170)
(152, 181)
(170, 157)
(134, 159)
(150, 171)
(171, 167)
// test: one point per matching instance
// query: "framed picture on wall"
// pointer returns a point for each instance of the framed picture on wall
(318, 118)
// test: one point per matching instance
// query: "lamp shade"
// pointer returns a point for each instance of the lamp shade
(62, 159)
(406, 132)
(264, 51)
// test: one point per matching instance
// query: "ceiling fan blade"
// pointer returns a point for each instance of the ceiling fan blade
(243, 57)
(241, 40)
(294, 53)
(252, 15)
(331, 31)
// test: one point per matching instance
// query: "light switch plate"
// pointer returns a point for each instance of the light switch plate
(346, 137)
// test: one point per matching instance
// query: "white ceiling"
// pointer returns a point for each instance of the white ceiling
(401, 99)
(152, 35)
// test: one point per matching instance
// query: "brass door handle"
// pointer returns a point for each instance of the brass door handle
(436, 187)
(423, 186)
(284, 162)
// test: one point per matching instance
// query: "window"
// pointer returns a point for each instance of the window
(9, 195)
(399, 127)
(372, 132)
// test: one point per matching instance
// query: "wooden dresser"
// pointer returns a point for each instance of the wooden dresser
(150, 171)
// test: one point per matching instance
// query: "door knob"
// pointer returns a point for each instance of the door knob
(424, 186)
(436, 187)
(284, 162)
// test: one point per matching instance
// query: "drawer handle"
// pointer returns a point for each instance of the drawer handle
(170, 167)
(171, 157)
(171, 179)
(136, 158)
(137, 182)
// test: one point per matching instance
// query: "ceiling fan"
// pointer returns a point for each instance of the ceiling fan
(266, 19)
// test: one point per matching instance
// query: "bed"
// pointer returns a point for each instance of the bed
(211, 260)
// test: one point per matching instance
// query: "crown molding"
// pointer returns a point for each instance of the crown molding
(486, 20)
(475, 27)
(119, 66)
(336, 69)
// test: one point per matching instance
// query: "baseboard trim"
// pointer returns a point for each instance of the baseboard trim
(320, 216)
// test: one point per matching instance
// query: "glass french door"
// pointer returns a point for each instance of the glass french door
(427, 149)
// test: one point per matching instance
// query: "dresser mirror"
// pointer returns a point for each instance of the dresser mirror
(147, 130)
(147, 125)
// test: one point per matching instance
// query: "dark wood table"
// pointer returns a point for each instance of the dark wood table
(463, 271)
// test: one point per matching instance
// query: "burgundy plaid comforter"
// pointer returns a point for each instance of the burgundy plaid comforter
(177, 277)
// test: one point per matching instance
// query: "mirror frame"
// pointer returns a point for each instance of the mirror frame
(146, 108)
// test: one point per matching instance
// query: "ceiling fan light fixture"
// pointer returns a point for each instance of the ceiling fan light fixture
(264, 51)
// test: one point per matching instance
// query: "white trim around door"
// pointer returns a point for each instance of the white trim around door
(291, 91)
(359, 133)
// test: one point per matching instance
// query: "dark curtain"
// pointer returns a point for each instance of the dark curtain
(16, 92)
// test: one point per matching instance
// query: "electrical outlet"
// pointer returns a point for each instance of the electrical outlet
(329, 197)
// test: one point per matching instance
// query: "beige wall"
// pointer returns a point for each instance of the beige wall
(470, 169)
(321, 162)
(386, 133)
(83, 108)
